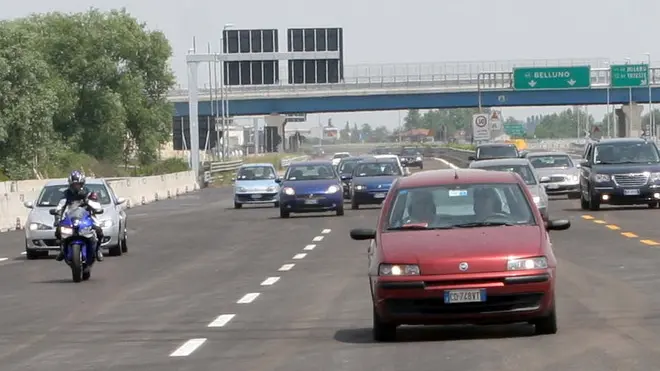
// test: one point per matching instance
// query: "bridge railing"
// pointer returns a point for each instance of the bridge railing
(450, 76)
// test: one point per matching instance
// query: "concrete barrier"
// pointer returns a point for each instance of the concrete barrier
(137, 191)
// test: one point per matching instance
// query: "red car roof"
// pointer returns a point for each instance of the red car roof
(458, 176)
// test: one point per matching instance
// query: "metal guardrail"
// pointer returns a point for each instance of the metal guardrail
(216, 170)
(285, 162)
(452, 76)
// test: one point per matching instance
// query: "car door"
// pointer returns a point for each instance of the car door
(585, 169)
(119, 208)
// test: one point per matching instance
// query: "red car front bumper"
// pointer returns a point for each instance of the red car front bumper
(510, 297)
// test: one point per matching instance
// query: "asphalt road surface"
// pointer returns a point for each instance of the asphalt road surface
(207, 287)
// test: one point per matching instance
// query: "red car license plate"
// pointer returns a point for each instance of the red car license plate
(465, 296)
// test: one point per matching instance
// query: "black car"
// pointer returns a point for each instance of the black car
(411, 157)
(621, 171)
(493, 151)
(345, 169)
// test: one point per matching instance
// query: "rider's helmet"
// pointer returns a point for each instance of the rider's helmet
(76, 180)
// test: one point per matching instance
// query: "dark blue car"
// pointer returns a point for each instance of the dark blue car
(310, 187)
(371, 180)
(345, 170)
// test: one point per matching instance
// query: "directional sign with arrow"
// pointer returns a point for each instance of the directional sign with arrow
(527, 78)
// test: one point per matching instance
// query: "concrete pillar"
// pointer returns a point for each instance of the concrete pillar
(629, 121)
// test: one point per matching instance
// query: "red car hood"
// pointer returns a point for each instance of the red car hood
(485, 249)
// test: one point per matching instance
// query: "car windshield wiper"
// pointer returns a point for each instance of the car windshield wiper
(418, 227)
(483, 224)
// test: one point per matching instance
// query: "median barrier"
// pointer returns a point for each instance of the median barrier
(135, 190)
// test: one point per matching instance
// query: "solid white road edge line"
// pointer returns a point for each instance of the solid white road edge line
(447, 163)
(270, 281)
(248, 298)
(188, 347)
(286, 267)
(222, 320)
(318, 238)
(299, 256)
(3, 259)
(309, 247)
(326, 231)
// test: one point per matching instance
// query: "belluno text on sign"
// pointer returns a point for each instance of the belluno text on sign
(529, 78)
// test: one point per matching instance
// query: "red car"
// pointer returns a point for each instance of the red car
(461, 246)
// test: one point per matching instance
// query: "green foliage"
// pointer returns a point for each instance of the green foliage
(171, 165)
(74, 87)
(443, 123)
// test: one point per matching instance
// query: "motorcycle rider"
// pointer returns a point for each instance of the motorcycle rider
(77, 192)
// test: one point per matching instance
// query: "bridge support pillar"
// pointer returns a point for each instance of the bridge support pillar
(628, 121)
(278, 121)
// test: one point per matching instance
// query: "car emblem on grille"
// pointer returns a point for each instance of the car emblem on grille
(463, 266)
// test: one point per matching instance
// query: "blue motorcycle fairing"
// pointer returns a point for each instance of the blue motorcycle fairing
(80, 221)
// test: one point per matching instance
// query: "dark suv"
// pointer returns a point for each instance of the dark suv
(492, 151)
(411, 157)
(622, 171)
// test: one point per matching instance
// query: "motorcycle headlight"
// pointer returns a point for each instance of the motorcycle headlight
(39, 227)
(106, 223)
(398, 270)
(360, 187)
(66, 231)
(602, 178)
(332, 189)
(289, 191)
(540, 262)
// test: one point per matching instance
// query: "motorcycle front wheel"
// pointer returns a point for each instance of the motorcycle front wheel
(76, 263)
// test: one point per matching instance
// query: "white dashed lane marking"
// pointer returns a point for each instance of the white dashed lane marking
(23, 253)
(309, 247)
(326, 231)
(318, 238)
(222, 320)
(3, 259)
(188, 347)
(286, 267)
(270, 281)
(299, 256)
(248, 298)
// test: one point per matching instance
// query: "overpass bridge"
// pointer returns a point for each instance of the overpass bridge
(423, 86)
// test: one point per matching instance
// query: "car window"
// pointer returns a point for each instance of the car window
(310, 172)
(496, 151)
(625, 153)
(525, 171)
(382, 168)
(51, 195)
(341, 155)
(256, 173)
(451, 206)
(410, 152)
(346, 167)
(541, 162)
(113, 194)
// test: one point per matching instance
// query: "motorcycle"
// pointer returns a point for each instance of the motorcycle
(78, 238)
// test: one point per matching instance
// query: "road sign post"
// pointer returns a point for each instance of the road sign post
(548, 78)
(480, 127)
(629, 75)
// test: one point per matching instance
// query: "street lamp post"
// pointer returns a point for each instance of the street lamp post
(224, 101)
(652, 128)
(608, 101)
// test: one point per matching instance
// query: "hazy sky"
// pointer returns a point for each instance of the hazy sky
(411, 31)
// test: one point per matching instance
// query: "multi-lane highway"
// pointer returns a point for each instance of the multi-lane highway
(207, 287)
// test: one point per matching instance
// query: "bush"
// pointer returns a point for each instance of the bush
(468, 147)
(271, 158)
(171, 165)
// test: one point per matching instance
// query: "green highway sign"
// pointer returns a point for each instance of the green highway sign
(539, 78)
(629, 75)
(514, 130)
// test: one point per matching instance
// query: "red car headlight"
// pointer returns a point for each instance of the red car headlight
(398, 270)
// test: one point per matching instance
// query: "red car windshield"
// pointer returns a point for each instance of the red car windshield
(451, 206)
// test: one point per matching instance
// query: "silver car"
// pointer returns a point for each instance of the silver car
(39, 229)
(559, 173)
(524, 168)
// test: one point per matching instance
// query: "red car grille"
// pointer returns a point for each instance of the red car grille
(437, 306)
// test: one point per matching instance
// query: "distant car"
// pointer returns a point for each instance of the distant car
(370, 181)
(461, 247)
(255, 184)
(312, 186)
(336, 158)
(411, 157)
(396, 158)
(345, 171)
(562, 173)
(39, 230)
(491, 151)
(522, 167)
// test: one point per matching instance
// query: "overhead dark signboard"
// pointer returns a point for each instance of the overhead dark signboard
(315, 70)
(251, 71)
